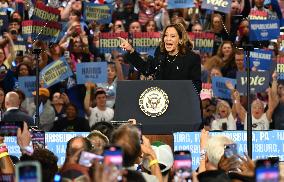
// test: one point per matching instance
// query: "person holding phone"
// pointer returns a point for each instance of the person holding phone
(173, 59)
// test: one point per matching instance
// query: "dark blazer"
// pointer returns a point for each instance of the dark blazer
(183, 67)
(17, 115)
(77, 125)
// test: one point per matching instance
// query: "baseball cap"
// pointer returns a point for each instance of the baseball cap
(164, 156)
(42, 92)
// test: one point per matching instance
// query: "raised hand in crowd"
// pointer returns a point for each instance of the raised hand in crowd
(125, 45)
(150, 154)
(204, 135)
(65, 98)
(247, 166)
(6, 164)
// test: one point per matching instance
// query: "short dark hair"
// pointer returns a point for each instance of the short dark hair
(47, 160)
(99, 92)
(87, 146)
(132, 150)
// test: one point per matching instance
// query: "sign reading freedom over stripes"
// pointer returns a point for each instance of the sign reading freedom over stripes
(109, 41)
(203, 42)
(55, 72)
(40, 29)
(280, 67)
(144, 41)
(96, 12)
(46, 13)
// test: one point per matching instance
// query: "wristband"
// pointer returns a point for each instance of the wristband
(153, 162)
(27, 150)
(88, 92)
(4, 154)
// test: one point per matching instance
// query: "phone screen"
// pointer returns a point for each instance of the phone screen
(230, 150)
(113, 158)
(86, 158)
(28, 173)
(267, 171)
(10, 128)
(182, 165)
(38, 139)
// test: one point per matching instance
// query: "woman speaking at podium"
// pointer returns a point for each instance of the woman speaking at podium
(173, 59)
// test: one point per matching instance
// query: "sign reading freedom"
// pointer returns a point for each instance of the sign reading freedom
(203, 42)
(109, 41)
(144, 41)
(46, 13)
(280, 67)
(40, 29)
(265, 143)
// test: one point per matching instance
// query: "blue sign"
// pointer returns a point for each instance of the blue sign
(95, 72)
(262, 30)
(260, 59)
(55, 142)
(55, 72)
(217, 5)
(259, 81)
(3, 23)
(219, 87)
(265, 143)
(97, 12)
(174, 4)
(27, 84)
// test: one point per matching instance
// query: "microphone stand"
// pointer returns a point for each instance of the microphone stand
(36, 52)
(247, 48)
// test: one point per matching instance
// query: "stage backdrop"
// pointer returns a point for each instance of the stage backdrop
(265, 143)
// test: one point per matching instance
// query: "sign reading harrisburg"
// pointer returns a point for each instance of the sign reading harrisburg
(265, 143)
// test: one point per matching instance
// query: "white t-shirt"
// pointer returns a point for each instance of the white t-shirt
(258, 124)
(98, 115)
(230, 121)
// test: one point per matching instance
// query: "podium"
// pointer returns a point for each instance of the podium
(182, 112)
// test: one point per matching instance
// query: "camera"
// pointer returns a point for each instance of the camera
(13, 32)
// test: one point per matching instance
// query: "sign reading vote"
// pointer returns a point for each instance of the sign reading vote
(173, 4)
(260, 59)
(95, 72)
(217, 5)
(46, 13)
(219, 87)
(144, 41)
(96, 12)
(261, 30)
(109, 41)
(55, 72)
(259, 81)
(27, 84)
(265, 143)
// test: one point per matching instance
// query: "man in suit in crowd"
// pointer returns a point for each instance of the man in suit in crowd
(13, 113)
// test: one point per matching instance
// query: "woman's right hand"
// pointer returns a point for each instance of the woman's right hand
(125, 45)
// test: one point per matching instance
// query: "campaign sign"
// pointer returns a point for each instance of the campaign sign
(145, 41)
(173, 4)
(280, 67)
(219, 87)
(261, 30)
(259, 81)
(97, 12)
(281, 39)
(265, 143)
(95, 72)
(55, 72)
(3, 22)
(40, 29)
(260, 59)
(217, 5)
(258, 15)
(109, 42)
(55, 142)
(20, 46)
(204, 42)
(45, 13)
(27, 84)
